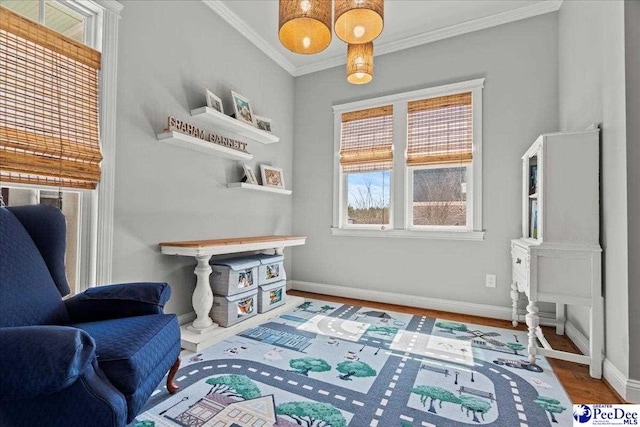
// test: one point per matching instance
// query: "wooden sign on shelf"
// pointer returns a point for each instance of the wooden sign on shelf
(174, 124)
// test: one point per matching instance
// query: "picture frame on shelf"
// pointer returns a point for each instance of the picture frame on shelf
(272, 176)
(263, 123)
(249, 176)
(242, 109)
(213, 101)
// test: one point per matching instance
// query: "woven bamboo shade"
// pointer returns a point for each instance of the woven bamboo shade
(360, 63)
(48, 106)
(358, 21)
(305, 25)
(366, 142)
(440, 130)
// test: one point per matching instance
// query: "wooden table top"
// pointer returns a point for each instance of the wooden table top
(230, 242)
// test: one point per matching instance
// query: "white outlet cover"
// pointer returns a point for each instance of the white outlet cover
(491, 281)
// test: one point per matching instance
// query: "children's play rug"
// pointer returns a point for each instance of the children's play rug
(326, 364)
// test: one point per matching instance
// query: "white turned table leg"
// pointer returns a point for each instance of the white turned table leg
(561, 318)
(202, 298)
(515, 295)
(533, 321)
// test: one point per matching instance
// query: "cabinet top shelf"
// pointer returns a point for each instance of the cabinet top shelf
(234, 127)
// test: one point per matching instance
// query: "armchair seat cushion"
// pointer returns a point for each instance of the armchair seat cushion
(130, 349)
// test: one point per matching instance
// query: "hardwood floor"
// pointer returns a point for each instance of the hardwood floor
(574, 377)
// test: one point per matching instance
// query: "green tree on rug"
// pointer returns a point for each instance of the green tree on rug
(352, 368)
(551, 405)
(304, 365)
(475, 405)
(326, 308)
(382, 330)
(435, 393)
(145, 423)
(310, 414)
(452, 326)
(239, 386)
(515, 347)
(304, 306)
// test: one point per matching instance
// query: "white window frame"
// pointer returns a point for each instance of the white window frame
(401, 197)
(96, 206)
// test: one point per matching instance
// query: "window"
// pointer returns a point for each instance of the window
(49, 140)
(366, 158)
(410, 165)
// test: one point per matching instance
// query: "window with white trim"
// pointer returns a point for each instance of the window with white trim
(410, 164)
(24, 180)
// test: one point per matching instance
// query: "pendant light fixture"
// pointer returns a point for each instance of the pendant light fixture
(358, 21)
(305, 25)
(360, 63)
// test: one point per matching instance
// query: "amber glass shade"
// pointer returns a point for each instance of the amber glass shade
(358, 21)
(305, 25)
(360, 63)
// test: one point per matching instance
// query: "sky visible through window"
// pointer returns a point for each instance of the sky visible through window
(368, 189)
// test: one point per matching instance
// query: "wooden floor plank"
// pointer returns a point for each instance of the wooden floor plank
(573, 376)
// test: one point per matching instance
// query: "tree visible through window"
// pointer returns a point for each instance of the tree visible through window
(368, 196)
(440, 196)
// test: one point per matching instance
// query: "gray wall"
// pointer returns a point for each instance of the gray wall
(632, 47)
(591, 52)
(520, 63)
(169, 52)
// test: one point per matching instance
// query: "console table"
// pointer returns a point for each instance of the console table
(196, 335)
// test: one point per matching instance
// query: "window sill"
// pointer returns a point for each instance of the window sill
(410, 234)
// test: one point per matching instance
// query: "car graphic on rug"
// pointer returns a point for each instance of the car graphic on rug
(520, 364)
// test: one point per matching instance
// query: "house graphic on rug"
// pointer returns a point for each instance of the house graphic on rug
(216, 410)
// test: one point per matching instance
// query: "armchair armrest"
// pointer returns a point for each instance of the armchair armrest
(116, 301)
(41, 360)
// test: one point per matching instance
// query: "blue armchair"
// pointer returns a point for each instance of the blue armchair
(91, 360)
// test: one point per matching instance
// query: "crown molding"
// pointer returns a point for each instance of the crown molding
(518, 14)
(111, 5)
(243, 28)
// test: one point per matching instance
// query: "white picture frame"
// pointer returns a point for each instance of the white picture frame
(248, 173)
(242, 109)
(213, 101)
(263, 123)
(272, 176)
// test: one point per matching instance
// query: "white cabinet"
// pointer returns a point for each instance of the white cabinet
(558, 257)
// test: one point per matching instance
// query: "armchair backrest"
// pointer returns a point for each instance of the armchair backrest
(30, 249)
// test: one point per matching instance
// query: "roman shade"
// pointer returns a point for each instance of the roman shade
(366, 141)
(440, 130)
(48, 106)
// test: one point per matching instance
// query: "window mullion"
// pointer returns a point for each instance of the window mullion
(399, 190)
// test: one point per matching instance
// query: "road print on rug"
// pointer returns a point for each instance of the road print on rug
(334, 365)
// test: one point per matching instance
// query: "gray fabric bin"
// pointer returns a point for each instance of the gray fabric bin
(229, 310)
(233, 276)
(271, 268)
(271, 296)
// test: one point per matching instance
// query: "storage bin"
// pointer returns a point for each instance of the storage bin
(271, 296)
(233, 276)
(229, 310)
(271, 268)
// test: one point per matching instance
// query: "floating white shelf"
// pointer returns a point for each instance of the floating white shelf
(197, 144)
(234, 127)
(258, 187)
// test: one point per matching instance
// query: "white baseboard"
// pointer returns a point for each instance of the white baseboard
(578, 338)
(183, 319)
(617, 380)
(627, 388)
(470, 308)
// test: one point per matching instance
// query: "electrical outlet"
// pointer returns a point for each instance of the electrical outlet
(491, 281)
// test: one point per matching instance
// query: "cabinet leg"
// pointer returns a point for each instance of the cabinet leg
(533, 321)
(596, 342)
(515, 295)
(561, 318)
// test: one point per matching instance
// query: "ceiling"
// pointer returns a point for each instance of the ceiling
(407, 23)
